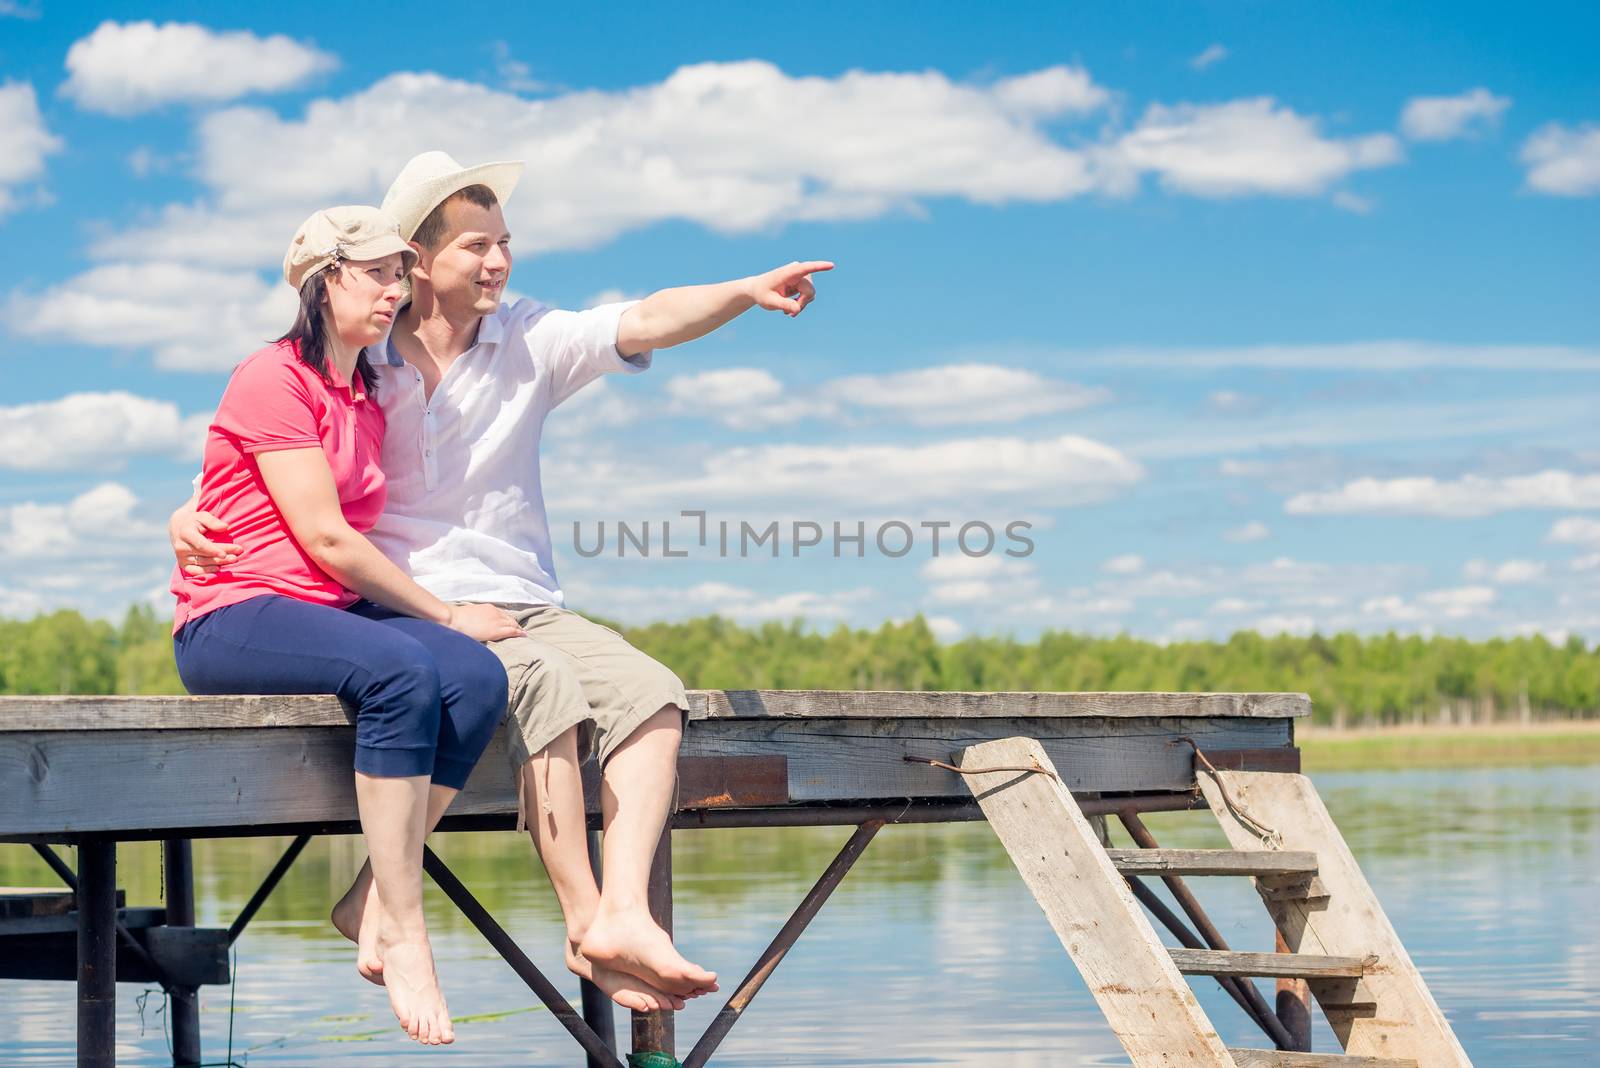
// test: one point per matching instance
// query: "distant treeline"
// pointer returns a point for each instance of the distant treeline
(1352, 679)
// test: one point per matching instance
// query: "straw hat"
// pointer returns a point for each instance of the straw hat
(429, 179)
(354, 232)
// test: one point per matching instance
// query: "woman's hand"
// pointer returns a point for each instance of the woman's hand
(483, 622)
(197, 554)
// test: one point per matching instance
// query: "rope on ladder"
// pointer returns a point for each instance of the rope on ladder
(1269, 837)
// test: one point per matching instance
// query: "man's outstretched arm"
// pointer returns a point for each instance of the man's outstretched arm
(670, 317)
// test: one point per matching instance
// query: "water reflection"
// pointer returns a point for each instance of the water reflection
(930, 953)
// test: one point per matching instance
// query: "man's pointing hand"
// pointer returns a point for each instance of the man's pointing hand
(787, 289)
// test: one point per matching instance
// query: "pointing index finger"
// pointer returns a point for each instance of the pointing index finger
(814, 266)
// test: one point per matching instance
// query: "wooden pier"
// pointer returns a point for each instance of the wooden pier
(1044, 768)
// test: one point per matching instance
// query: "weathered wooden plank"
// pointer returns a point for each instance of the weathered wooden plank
(189, 956)
(918, 704)
(865, 759)
(1148, 1004)
(81, 782)
(67, 923)
(1272, 1058)
(1269, 965)
(18, 902)
(1210, 862)
(1398, 1016)
(253, 712)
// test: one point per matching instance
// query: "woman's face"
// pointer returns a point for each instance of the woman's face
(362, 298)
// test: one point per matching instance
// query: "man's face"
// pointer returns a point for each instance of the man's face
(469, 268)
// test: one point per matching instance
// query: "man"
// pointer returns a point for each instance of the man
(466, 385)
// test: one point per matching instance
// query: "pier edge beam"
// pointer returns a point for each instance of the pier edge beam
(653, 1032)
(97, 953)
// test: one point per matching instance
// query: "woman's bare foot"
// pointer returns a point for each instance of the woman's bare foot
(356, 917)
(414, 992)
(632, 942)
(626, 990)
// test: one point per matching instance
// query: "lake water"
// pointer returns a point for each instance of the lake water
(930, 953)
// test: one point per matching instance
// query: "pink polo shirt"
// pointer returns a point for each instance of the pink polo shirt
(273, 401)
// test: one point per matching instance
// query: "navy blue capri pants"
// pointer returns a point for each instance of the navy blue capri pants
(427, 698)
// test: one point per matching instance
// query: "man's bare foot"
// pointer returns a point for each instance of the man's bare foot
(632, 942)
(414, 992)
(356, 917)
(626, 990)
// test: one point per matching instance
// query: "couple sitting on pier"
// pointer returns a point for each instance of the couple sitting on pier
(369, 522)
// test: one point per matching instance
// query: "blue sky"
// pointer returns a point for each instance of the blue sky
(1274, 316)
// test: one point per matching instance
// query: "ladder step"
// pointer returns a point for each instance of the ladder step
(1276, 965)
(1211, 862)
(1272, 1058)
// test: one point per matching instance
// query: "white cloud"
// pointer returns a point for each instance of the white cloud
(1469, 496)
(944, 628)
(1444, 118)
(1576, 530)
(1563, 161)
(193, 318)
(610, 296)
(749, 398)
(744, 398)
(24, 141)
(1287, 427)
(979, 580)
(1282, 623)
(97, 523)
(126, 68)
(1231, 402)
(1047, 472)
(1452, 604)
(513, 73)
(598, 407)
(1126, 564)
(714, 144)
(1352, 202)
(1213, 53)
(96, 431)
(1255, 530)
(1051, 92)
(960, 567)
(745, 605)
(1505, 573)
(1239, 148)
(964, 393)
(1378, 355)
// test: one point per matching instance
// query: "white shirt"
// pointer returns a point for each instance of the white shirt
(465, 514)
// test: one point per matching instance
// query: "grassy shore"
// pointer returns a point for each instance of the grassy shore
(1326, 749)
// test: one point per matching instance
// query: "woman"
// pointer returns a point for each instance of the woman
(309, 605)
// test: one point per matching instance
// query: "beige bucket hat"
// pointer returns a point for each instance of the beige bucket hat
(428, 179)
(352, 232)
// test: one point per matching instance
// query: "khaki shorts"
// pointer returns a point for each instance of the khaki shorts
(570, 672)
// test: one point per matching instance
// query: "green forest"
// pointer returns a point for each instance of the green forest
(1353, 679)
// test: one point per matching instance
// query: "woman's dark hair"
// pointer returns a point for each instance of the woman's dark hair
(310, 333)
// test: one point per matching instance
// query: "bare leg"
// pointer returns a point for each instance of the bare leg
(357, 913)
(551, 780)
(394, 816)
(635, 798)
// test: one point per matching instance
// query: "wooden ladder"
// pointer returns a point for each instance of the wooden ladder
(1341, 942)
